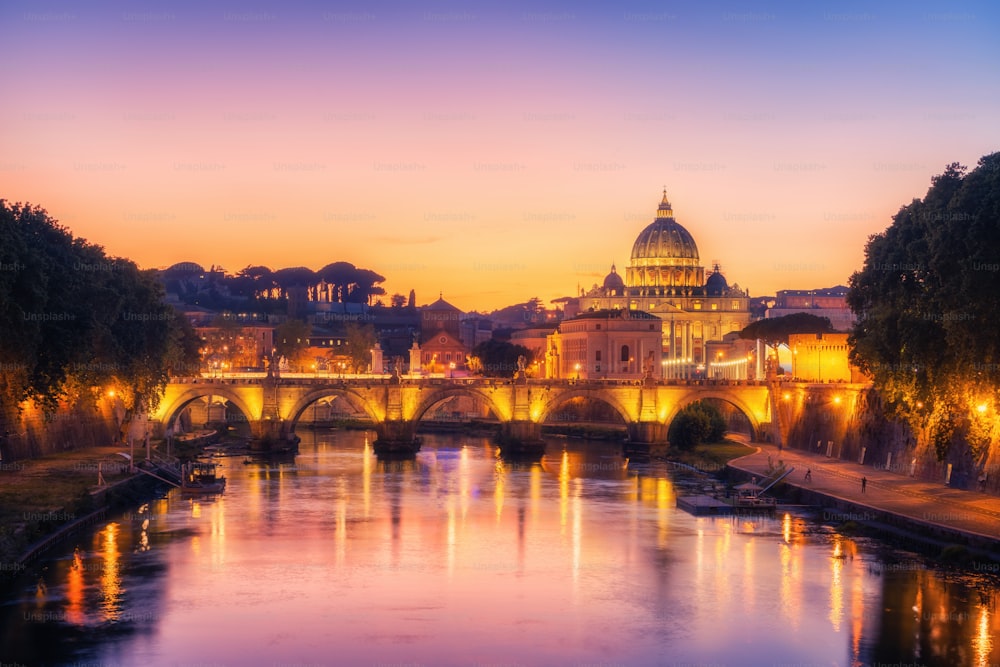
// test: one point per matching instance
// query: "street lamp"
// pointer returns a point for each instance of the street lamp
(451, 370)
(577, 371)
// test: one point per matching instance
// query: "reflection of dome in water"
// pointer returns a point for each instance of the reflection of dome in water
(613, 283)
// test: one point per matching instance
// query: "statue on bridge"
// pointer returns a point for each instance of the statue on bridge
(647, 366)
(519, 374)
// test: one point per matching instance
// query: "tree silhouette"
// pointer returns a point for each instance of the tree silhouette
(927, 305)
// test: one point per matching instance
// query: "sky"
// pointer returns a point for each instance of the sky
(491, 153)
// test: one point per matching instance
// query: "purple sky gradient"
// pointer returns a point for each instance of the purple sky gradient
(494, 155)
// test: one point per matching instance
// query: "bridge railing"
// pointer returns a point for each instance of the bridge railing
(440, 379)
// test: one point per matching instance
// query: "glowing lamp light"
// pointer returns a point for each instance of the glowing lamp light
(981, 408)
(836, 399)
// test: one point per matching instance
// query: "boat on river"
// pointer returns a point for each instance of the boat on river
(201, 477)
(749, 497)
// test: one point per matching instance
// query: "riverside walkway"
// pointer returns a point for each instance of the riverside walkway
(945, 511)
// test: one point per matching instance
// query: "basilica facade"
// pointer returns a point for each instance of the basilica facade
(665, 278)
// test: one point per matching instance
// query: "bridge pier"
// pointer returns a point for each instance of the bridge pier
(397, 439)
(646, 438)
(272, 435)
(521, 438)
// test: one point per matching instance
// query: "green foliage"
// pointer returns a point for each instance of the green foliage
(776, 330)
(927, 303)
(497, 358)
(360, 339)
(698, 423)
(291, 338)
(73, 319)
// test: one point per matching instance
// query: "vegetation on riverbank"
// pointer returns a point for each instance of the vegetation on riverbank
(78, 324)
(710, 457)
(926, 304)
(39, 496)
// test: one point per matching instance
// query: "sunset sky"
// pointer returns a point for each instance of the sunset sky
(492, 154)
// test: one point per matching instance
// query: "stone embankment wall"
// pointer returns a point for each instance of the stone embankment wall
(36, 432)
(854, 421)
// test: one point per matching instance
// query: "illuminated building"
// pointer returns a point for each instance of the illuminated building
(830, 303)
(665, 278)
(441, 343)
(822, 358)
(606, 344)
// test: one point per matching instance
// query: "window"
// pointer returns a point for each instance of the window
(624, 353)
(598, 327)
(597, 356)
(715, 306)
(697, 305)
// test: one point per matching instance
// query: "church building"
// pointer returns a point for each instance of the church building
(665, 278)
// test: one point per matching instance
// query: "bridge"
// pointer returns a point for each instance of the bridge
(274, 405)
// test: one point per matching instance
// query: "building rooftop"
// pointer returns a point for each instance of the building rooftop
(615, 314)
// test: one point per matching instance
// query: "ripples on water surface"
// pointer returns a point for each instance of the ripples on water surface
(459, 559)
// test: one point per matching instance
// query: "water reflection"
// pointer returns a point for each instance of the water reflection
(458, 557)
(111, 577)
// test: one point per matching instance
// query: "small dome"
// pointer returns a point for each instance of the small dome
(614, 282)
(716, 284)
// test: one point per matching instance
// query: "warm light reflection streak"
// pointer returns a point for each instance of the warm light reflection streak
(74, 591)
(111, 582)
(366, 478)
(563, 491)
(984, 638)
(837, 584)
(498, 491)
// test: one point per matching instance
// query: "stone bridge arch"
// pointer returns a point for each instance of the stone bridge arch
(500, 408)
(731, 397)
(558, 398)
(355, 400)
(172, 406)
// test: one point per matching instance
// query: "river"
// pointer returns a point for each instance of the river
(457, 558)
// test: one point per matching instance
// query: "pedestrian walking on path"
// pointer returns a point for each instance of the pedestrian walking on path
(864, 484)
(809, 475)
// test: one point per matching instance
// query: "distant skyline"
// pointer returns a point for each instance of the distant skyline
(492, 154)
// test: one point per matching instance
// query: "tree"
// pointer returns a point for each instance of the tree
(364, 286)
(359, 341)
(697, 423)
(496, 358)
(184, 353)
(74, 320)
(291, 339)
(775, 331)
(927, 306)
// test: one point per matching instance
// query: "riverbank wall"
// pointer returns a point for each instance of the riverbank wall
(78, 424)
(850, 423)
